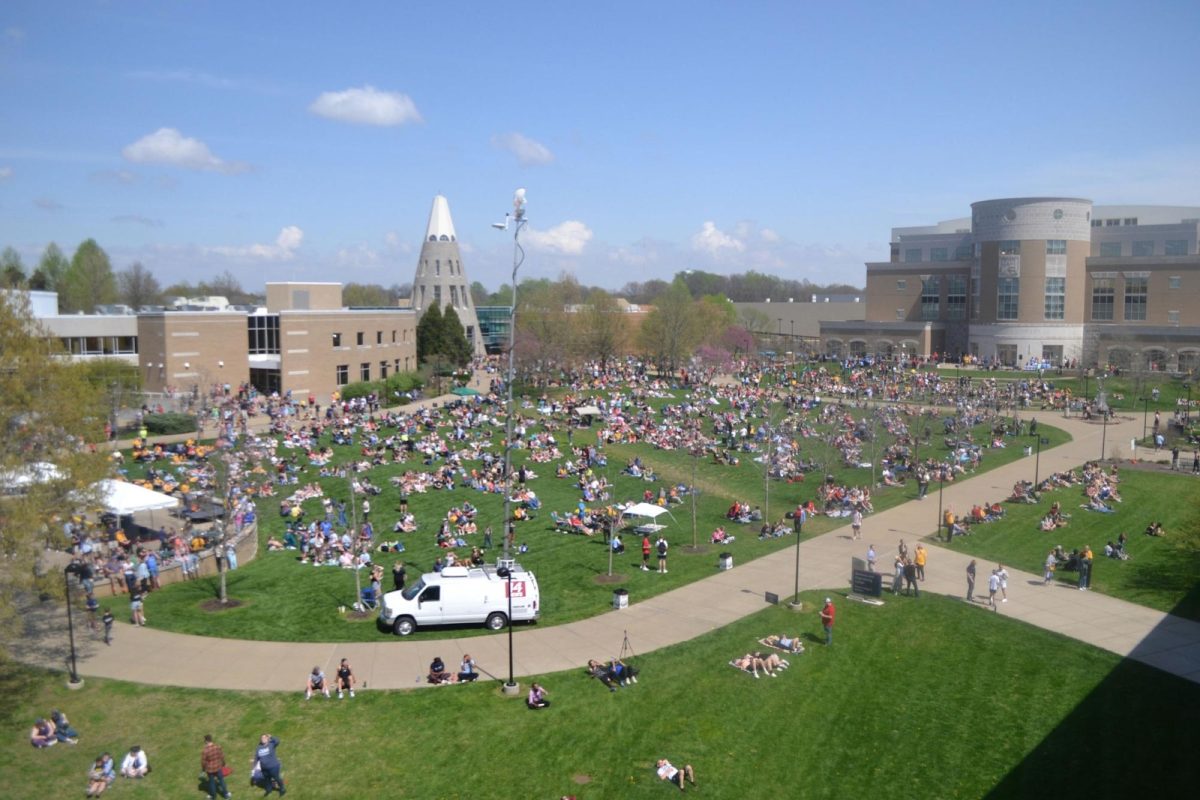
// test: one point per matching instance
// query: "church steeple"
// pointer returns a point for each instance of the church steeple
(440, 277)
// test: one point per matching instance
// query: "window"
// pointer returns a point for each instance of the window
(895, 253)
(393, 337)
(360, 339)
(956, 297)
(1110, 249)
(1111, 223)
(1007, 291)
(1056, 297)
(1052, 353)
(383, 370)
(939, 254)
(1096, 223)
(1135, 298)
(1174, 282)
(1143, 248)
(899, 313)
(931, 289)
(1010, 247)
(1131, 220)
(343, 374)
(378, 337)
(1172, 317)
(437, 267)
(263, 330)
(975, 291)
(962, 252)
(1007, 354)
(1103, 297)
(901, 285)
(454, 296)
(437, 295)
(364, 371)
(337, 340)
(1176, 247)
(1056, 247)
(912, 255)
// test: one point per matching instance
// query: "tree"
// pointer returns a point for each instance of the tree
(12, 269)
(50, 416)
(227, 286)
(89, 280)
(602, 328)
(673, 329)
(479, 294)
(429, 334)
(366, 295)
(51, 271)
(455, 346)
(138, 287)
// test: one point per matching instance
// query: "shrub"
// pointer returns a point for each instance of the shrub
(162, 424)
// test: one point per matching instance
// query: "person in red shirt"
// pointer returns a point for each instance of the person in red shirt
(646, 552)
(827, 614)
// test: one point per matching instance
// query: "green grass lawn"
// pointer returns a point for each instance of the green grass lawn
(283, 600)
(1161, 573)
(916, 699)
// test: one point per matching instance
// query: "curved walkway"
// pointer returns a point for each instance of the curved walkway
(147, 655)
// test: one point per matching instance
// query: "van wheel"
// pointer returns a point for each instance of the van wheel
(403, 626)
(496, 621)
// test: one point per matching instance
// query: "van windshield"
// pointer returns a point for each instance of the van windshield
(414, 590)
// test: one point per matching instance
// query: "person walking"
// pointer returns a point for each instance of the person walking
(107, 620)
(827, 614)
(993, 587)
(645, 552)
(871, 557)
(269, 763)
(856, 522)
(971, 581)
(1051, 564)
(919, 561)
(1085, 568)
(1002, 574)
(1174, 458)
(212, 764)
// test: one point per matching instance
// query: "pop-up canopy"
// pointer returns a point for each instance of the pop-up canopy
(122, 497)
(645, 510)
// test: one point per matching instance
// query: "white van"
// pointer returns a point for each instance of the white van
(459, 595)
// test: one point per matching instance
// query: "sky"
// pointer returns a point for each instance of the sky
(306, 141)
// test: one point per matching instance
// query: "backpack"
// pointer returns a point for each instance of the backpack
(662, 547)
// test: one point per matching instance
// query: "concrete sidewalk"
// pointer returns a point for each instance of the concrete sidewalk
(146, 655)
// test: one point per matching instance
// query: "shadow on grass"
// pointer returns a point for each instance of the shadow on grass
(1096, 750)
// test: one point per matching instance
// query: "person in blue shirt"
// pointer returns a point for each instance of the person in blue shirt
(269, 763)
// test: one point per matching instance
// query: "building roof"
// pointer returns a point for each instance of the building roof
(441, 227)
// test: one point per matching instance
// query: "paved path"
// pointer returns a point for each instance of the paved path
(1170, 643)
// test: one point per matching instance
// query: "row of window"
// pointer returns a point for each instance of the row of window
(342, 371)
(1115, 222)
(360, 338)
(961, 253)
(452, 267)
(100, 345)
(1171, 247)
(460, 296)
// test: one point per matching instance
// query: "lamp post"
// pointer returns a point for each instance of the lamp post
(74, 682)
(1145, 415)
(1104, 431)
(941, 486)
(1037, 461)
(518, 217)
(510, 687)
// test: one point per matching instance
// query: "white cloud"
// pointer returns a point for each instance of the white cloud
(366, 106)
(284, 248)
(138, 219)
(6, 172)
(567, 238)
(769, 235)
(47, 204)
(169, 146)
(529, 152)
(715, 242)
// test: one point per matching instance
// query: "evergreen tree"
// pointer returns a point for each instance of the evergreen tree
(455, 346)
(429, 334)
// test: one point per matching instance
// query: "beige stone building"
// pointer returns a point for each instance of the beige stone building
(1041, 279)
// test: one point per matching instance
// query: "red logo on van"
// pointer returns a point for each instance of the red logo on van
(517, 588)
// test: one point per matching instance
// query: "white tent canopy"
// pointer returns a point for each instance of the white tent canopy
(122, 497)
(645, 510)
(588, 411)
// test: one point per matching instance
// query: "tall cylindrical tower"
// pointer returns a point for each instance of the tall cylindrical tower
(1027, 278)
(440, 277)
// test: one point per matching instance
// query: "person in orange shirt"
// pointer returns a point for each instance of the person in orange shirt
(919, 561)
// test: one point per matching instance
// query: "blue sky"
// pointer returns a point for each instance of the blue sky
(307, 140)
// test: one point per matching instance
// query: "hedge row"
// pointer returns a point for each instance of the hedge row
(385, 390)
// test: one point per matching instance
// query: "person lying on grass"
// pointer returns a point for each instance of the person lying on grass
(782, 641)
(668, 772)
(753, 662)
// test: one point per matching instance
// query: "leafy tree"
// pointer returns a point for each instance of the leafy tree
(602, 327)
(138, 287)
(12, 269)
(479, 294)
(50, 416)
(366, 295)
(51, 271)
(429, 334)
(228, 286)
(89, 281)
(456, 348)
(670, 332)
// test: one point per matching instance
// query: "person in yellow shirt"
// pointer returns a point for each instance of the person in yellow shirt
(919, 560)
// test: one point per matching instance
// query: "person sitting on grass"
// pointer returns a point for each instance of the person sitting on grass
(1155, 529)
(42, 734)
(135, 764)
(668, 772)
(62, 728)
(782, 641)
(274, 544)
(96, 780)
(537, 697)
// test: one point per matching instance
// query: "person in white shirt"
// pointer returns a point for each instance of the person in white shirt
(993, 587)
(136, 764)
(668, 772)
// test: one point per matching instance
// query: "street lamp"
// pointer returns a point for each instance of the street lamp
(74, 682)
(1037, 461)
(941, 486)
(510, 687)
(518, 217)
(1145, 415)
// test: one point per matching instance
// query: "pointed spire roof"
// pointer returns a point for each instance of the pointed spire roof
(441, 227)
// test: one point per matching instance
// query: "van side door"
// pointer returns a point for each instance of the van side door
(429, 606)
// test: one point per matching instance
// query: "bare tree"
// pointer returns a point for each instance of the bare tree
(137, 287)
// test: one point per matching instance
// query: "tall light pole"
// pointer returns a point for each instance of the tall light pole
(71, 625)
(510, 688)
(1145, 414)
(518, 218)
